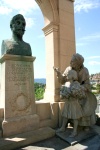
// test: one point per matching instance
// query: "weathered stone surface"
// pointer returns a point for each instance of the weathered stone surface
(17, 97)
(26, 138)
(1, 112)
(48, 113)
(17, 94)
(19, 125)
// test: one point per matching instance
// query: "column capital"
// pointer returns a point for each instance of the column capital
(52, 27)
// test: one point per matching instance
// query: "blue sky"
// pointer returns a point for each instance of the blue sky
(87, 30)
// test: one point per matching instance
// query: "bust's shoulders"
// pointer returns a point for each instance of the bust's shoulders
(25, 43)
(10, 46)
(12, 41)
(6, 40)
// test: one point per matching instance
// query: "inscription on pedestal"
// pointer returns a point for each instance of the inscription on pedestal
(19, 73)
(19, 81)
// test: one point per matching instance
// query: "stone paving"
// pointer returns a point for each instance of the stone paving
(56, 143)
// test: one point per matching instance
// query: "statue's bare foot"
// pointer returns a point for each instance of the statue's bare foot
(60, 130)
(73, 134)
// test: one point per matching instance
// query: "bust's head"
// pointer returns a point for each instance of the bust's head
(17, 25)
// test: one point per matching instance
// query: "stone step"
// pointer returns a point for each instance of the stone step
(27, 138)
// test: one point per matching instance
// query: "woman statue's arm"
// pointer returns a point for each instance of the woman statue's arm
(60, 77)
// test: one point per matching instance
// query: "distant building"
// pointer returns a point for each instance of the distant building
(95, 78)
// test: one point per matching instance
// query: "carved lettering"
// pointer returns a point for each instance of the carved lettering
(19, 73)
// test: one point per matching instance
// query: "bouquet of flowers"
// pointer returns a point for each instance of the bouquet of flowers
(77, 91)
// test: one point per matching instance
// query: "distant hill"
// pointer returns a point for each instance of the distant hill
(40, 80)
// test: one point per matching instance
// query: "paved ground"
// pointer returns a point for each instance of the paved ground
(56, 143)
(21, 141)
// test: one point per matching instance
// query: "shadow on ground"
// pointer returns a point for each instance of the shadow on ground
(56, 143)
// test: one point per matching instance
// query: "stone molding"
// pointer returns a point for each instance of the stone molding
(17, 58)
(52, 27)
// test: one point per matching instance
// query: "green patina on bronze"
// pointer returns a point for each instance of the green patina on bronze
(16, 45)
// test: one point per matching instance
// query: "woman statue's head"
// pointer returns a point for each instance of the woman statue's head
(76, 61)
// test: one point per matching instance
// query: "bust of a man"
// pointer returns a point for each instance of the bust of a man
(16, 45)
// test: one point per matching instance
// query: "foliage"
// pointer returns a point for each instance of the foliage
(93, 87)
(96, 88)
(94, 92)
(39, 90)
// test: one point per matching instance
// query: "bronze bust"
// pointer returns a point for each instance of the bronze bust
(16, 45)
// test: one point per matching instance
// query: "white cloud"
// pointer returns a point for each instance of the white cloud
(25, 6)
(91, 37)
(41, 36)
(5, 10)
(18, 4)
(94, 63)
(86, 5)
(29, 22)
(93, 57)
(81, 44)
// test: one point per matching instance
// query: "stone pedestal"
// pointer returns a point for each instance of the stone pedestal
(17, 94)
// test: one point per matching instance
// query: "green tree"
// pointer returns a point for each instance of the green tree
(39, 90)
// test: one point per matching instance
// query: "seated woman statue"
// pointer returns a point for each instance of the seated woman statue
(16, 45)
(89, 103)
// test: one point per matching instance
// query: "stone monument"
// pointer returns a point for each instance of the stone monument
(80, 103)
(17, 82)
(17, 98)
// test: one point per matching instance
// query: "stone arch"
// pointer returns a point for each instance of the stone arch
(49, 10)
(59, 40)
